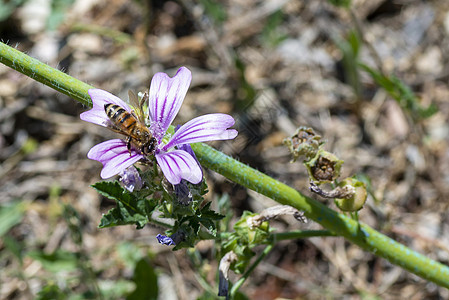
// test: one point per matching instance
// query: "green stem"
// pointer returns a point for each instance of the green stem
(45, 74)
(358, 233)
(299, 234)
(248, 272)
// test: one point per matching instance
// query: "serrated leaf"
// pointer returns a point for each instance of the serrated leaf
(187, 232)
(129, 210)
(210, 225)
(206, 212)
(145, 279)
(113, 190)
(122, 216)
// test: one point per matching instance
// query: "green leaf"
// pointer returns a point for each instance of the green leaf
(145, 279)
(129, 210)
(401, 92)
(113, 190)
(122, 216)
(206, 212)
(10, 216)
(208, 217)
(51, 291)
(57, 261)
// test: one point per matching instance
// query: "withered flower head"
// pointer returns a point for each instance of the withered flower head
(324, 167)
(304, 142)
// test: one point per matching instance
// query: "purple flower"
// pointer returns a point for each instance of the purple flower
(165, 240)
(165, 99)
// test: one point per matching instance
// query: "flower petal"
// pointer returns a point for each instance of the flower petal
(204, 128)
(97, 115)
(166, 96)
(187, 148)
(177, 165)
(114, 156)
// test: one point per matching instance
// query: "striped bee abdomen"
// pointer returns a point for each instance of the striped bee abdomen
(119, 116)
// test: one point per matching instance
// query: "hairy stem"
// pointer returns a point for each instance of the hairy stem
(45, 74)
(358, 233)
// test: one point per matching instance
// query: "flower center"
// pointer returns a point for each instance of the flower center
(157, 131)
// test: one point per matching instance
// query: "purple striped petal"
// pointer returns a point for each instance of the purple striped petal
(177, 165)
(97, 115)
(187, 148)
(114, 156)
(166, 96)
(204, 128)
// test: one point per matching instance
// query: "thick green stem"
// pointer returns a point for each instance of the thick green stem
(299, 234)
(360, 234)
(45, 74)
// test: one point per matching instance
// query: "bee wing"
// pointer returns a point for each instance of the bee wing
(134, 101)
(117, 130)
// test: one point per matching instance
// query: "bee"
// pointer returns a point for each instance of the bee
(132, 125)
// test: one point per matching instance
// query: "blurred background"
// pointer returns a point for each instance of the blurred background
(372, 79)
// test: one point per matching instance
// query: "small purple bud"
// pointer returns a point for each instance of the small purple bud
(183, 193)
(130, 179)
(182, 190)
(165, 240)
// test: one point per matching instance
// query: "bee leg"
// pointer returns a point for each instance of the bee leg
(128, 144)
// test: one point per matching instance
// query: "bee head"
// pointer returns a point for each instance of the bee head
(149, 147)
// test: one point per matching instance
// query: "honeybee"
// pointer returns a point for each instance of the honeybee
(132, 125)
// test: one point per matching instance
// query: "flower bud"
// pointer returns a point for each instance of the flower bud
(355, 199)
(130, 179)
(304, 142)
(324, 167)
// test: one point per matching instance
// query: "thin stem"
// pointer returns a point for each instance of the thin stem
(357, 233)
(248, 272)
(361, 33)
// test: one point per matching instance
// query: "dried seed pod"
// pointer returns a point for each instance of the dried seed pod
(324, 167)
(304, 142)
